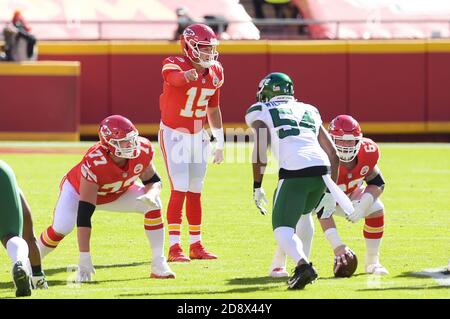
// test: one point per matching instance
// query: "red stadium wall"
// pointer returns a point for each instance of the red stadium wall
(390, 86)
(39, 101)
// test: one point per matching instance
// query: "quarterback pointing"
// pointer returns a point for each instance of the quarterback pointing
(191, 92)
(106, 179)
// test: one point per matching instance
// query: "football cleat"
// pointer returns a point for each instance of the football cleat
(278, 272)
(176, 254)
(197, 251)
(39, 282)
(21, 280)
(303, 274)
(161, 270)
(376, 269)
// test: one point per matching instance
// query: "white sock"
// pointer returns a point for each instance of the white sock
(305, 231)
(44, 250)
(194, 238)
(17, 249)
(290, 243)
(174, 239)
(279, 258)
(372, 251)
(156, 240)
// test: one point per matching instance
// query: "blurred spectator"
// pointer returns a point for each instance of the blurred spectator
(219, 24)
(183, 21)
(258, 6)
(20, 44)
(279, 7)
(297, 14)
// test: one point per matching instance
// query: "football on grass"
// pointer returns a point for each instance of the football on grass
(346, 270)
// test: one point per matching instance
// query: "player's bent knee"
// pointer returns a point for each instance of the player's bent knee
(63, 230)
(375, 214)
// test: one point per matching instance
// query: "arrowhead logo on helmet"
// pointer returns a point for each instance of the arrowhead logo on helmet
(199, 43)
(120, 136)
(347, 136)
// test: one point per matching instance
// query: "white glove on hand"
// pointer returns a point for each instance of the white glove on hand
(39, 282)
(328, 204)
(361, 206)
(151, 199)
(357, 214)
(218, 156)
(259, 196)
(85, 268)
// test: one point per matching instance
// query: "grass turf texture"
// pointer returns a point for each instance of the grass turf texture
(416, 236)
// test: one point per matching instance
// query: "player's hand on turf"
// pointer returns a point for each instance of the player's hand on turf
(85, 268)
(191, 75)
(218, 156)
(357, 214)
(259, 196)
(341, 253)
(326, 206)
(151, 199)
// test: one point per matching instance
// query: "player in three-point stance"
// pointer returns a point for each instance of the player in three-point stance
(107, 179)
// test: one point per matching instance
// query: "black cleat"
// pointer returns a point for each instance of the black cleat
(303, 274)
(21, 280)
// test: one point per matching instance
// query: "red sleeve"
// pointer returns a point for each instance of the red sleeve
(371, 153)
(175, 78)
(172, 72)
(214, 100)
(146, 150)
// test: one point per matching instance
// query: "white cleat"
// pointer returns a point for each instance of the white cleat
(278, 272)
(161, 269)
(376, 269)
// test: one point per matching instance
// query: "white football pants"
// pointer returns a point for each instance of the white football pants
(186, 156)
(66, 209)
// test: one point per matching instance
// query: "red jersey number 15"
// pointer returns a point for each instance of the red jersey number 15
(202, 103)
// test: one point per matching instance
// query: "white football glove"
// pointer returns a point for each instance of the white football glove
(151, 199)
(39, 282)
(361, 206)
(219, 145)
(85, 268)
(328, 204)
(259, 196)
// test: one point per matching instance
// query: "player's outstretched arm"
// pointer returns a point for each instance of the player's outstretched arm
(86, 207)
(340, 250)
(328, 146)
(259, 163)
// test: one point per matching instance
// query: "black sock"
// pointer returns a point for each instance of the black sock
(37, 270)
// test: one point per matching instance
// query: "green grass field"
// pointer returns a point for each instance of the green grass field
(417, 235)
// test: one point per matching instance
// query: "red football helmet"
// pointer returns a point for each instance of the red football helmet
(119, 136)
(346, 128)
(195, 37)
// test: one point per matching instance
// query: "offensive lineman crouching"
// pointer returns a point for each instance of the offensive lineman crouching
(106, 179)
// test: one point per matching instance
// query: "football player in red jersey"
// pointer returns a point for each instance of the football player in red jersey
(191, 92)
(358, 159)
(106, 179)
